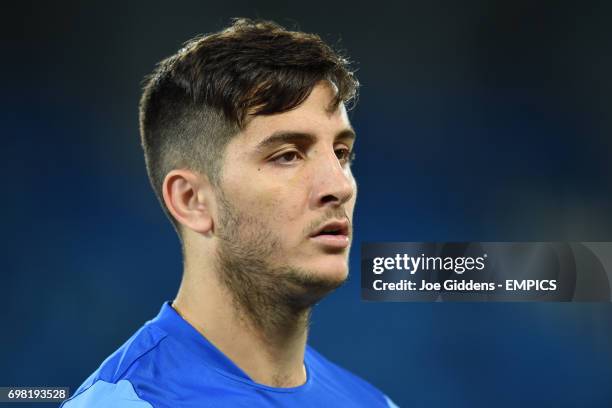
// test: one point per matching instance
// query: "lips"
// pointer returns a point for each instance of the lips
(333, 234)
(333, 228)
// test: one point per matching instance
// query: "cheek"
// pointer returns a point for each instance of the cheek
(287, 200)
(279, 200)
(287, 207)
(280, 209)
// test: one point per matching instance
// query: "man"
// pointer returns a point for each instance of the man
(248, 147)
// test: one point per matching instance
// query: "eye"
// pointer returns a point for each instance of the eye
(287, 157)
(345, 155)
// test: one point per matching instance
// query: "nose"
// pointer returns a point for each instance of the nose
(333, 184)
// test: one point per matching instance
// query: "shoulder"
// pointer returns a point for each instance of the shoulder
(340, 379)
(114, 382)
(104, 394)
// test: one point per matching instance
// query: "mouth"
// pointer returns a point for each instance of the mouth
(333, 234)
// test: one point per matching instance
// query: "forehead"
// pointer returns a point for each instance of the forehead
(313, 116)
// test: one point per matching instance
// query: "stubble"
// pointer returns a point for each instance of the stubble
(275, 298)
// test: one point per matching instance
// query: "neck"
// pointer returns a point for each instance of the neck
(266, 340)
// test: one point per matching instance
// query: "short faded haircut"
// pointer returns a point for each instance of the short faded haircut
(195, 101)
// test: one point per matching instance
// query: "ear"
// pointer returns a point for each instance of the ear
(189, 197)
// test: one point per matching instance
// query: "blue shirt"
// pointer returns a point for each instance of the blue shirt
(169, 364)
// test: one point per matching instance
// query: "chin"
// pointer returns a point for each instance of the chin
(330, 268)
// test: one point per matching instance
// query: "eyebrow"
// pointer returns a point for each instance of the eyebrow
(281, 137)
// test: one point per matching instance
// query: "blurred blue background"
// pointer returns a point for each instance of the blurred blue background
(477, 121)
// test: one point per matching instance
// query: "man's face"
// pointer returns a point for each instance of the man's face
(286, 177)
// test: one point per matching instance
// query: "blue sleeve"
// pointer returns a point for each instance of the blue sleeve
(104, 394)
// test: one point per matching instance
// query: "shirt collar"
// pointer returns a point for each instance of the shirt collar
(171, 322)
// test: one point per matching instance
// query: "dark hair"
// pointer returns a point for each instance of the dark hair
(195, 101)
